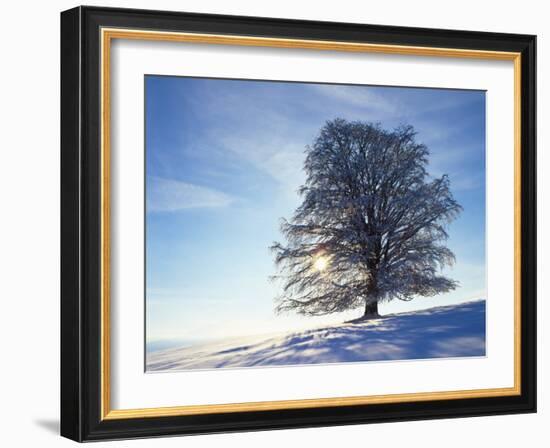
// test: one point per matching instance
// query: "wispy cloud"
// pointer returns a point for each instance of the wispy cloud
(261, 128)
(463, 182)
(282, 161)
(168, 195)
(359, 97)
(454, 161)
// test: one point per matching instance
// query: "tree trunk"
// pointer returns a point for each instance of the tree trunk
(371, 309)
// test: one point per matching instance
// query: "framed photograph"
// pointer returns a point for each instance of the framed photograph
(272, 223)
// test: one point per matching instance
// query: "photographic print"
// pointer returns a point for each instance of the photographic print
(289, 202)
(294, 223)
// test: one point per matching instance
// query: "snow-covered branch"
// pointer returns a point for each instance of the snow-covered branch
(373, 216)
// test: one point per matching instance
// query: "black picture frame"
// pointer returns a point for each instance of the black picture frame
(81, 381)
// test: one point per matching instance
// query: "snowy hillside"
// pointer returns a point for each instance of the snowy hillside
(450, 331)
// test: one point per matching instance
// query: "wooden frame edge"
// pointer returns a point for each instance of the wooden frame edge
(107, 34)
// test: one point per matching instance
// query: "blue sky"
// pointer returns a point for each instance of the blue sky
(223, 163)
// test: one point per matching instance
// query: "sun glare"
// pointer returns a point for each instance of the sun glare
(321, 263)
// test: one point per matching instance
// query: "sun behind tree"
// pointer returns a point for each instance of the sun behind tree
(371, 226)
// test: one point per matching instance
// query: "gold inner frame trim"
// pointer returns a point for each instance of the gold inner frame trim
(107, 35)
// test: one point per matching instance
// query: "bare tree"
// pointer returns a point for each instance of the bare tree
(372, 224)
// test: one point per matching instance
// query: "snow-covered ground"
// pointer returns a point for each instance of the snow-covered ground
(450, 331)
